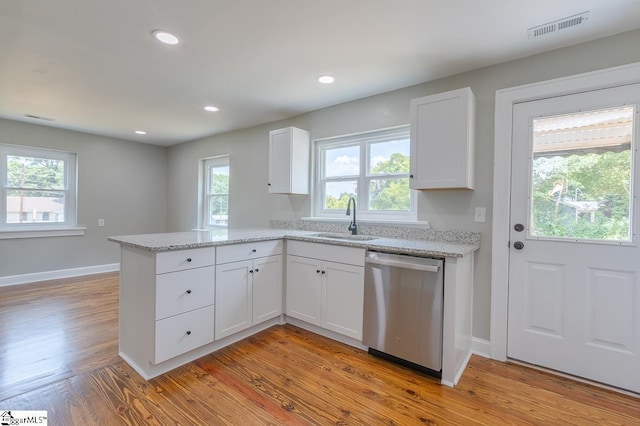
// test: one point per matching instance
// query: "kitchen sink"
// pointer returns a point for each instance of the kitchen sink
(347, 237)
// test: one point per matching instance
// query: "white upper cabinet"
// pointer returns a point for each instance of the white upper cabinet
(443, 140)
(289, 161)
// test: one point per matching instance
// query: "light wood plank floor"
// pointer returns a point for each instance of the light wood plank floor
(59, 353)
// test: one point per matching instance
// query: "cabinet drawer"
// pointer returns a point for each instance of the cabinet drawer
(183, 333)
(179, 292)
(330, 252)
(247, 251)
(170, 261)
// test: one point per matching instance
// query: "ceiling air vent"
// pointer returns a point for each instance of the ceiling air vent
(559, 25)
(37, 117)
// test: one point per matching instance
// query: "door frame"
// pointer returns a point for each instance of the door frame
(505, 99)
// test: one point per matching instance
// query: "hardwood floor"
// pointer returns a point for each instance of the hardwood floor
(59, 353)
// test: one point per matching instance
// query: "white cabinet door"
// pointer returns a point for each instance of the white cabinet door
(304, 289)
(442, 140)
(289, 161)
(343, 298)
(267, 288)
(233, 298)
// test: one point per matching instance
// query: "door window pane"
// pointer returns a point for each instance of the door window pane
(582, 174)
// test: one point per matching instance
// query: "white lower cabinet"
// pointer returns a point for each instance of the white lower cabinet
(343, 298)
(304, 289)
(322, 289)
(233, 298)
(248, 291)
(267, 288)
(181, 333)
(166, 304)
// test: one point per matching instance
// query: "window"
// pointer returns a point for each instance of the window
(373, 167)
(216, 193)
(581, 175)
(38, 188)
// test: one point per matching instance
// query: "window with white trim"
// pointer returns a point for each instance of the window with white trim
(38, 188)
(215, 201)
(373, 167)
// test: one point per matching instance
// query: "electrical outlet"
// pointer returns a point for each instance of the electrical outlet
(480, 214)
(100, 222)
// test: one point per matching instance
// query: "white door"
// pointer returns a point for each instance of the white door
(574, 293)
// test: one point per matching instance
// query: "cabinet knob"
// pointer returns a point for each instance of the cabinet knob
(189, 259)
(268, 184)
(324, 272)
(257, 269)
(253, 251)
(317, 271)
(188, 332)
(411, 176)
(188, 291)
(251, 271)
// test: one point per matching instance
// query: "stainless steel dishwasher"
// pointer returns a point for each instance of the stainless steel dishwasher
(403, 309)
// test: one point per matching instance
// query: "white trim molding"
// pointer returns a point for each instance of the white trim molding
(481, 347)
(40, 232)
(505, 100)
(61, 273)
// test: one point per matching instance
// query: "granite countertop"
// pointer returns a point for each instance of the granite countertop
(194, 239)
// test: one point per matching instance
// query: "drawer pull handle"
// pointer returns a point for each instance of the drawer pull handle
(188, 259)
(188, 291)
(188, 332)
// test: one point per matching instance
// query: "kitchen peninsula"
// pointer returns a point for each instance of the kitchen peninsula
(184, 295)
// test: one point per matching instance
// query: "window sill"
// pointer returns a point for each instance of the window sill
(41, 232)
(404, 223)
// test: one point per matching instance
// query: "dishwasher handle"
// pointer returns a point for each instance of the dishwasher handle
(406, 262)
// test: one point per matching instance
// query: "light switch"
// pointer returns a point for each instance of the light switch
(100, 222)
(480, 214)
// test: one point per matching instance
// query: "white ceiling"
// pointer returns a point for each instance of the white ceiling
(92, 65)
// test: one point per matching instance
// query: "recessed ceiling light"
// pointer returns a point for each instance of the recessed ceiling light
(165, 37)
(211, 108)
(326, 79)
(141, 132)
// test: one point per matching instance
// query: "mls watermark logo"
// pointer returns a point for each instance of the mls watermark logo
(23, 417)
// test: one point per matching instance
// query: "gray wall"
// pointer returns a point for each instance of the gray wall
(251, 205)
(122, 182)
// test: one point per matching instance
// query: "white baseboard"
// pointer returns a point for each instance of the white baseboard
(481, 347)
(61, 273)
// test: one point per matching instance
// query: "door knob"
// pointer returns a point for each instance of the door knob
(518, 245)
(519, 227)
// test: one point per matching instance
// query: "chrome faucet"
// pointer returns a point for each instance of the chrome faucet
(353, 227)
